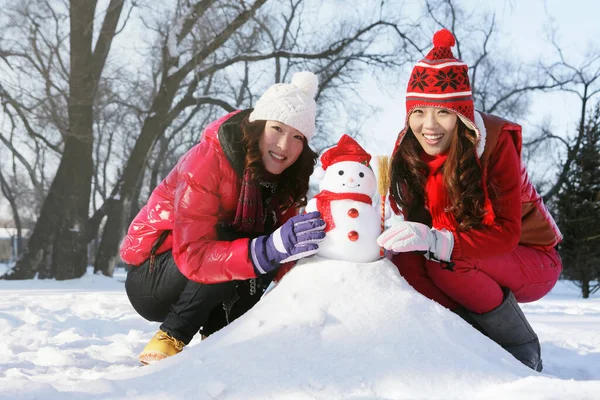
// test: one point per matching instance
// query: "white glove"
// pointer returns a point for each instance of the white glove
(413, 236)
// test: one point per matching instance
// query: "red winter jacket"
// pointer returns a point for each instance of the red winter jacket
(200, 192)
(521, 218)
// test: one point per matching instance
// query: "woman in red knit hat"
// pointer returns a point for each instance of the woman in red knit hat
(476, 236)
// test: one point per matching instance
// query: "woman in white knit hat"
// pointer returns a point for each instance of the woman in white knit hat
(216, 231)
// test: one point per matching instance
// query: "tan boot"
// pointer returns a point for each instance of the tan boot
(161, 346)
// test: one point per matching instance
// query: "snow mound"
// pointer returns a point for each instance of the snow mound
(333, 330)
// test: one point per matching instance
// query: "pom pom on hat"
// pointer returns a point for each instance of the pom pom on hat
(443, 38)
(290, 103)
(307, 82)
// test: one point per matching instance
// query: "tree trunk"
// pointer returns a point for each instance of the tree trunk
(157, 163)
(12, 201)
(115, 227)
(17, 244)
(585, 288)
(69, 258)
(106, 256)
(105, 259)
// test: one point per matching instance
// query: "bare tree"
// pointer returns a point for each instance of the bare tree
(58, 244)
(24, 198)
(583, 81)
(29, 152)
(12, 201)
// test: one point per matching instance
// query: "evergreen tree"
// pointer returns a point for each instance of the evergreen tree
(578, 208)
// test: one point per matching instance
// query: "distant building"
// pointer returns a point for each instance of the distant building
(8, 243)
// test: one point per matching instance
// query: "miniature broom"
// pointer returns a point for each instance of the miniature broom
(383, 183)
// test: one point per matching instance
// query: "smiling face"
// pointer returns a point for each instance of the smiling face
(349, 176)
(434, 128)
(280, 146)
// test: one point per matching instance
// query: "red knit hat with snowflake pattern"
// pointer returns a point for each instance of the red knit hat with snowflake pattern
(440, 80)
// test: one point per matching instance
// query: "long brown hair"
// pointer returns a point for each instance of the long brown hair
(462, 179)
(292, 185)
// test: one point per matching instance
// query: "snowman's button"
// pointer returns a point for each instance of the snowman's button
(353, 213)
(353, 236)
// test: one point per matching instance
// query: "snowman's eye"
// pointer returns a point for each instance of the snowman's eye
(362, 174)
(341, 172)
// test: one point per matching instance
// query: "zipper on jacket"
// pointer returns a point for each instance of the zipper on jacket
(155, 247)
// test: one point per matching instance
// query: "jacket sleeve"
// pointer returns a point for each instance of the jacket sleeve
(504, 187)
(196, 250)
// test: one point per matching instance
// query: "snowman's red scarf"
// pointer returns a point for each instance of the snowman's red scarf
(325, 198)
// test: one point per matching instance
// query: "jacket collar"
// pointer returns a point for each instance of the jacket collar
(230, 138)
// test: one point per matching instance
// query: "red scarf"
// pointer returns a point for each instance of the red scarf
(250, 216)
(324, 204)
(437, 199)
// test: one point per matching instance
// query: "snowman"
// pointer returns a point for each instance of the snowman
(345, 203)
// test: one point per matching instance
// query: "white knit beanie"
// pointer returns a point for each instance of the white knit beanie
(290, 103)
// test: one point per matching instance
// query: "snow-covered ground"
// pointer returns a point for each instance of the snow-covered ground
(330, 330)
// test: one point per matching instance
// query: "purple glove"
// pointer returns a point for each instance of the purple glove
(295, 239)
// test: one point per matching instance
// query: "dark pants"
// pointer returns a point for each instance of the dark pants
(184, 307)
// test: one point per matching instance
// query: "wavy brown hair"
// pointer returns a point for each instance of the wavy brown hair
(462, 178)
(292, 185)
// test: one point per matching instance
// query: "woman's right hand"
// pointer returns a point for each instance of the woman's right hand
(408, 236)
(295, 239)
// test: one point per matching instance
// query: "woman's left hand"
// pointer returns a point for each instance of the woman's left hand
(413, 236)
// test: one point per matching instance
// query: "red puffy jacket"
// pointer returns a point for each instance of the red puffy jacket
(201, 191)
(521, 216)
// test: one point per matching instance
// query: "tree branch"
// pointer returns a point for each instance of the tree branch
(107, 33)
(196, 13)
(521, 90)
(17, 107)
(218, 41)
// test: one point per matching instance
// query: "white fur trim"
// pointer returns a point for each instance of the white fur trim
(440, 66)
(438, 95)
(482, 133)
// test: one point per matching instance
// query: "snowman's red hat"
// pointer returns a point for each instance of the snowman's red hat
(347, 149)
